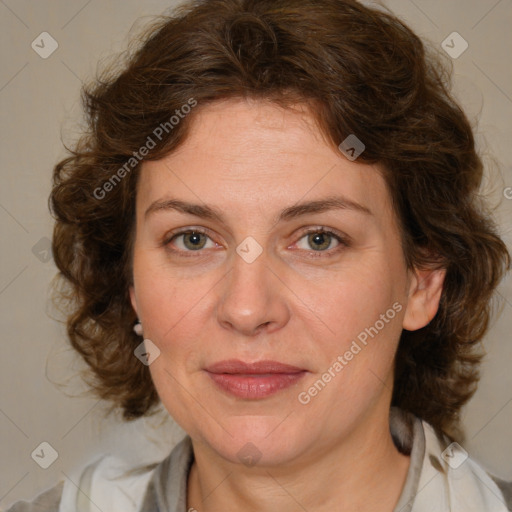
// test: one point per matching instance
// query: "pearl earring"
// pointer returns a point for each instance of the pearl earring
(137, 329)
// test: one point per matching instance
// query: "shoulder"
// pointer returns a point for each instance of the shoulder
(114, 485)
(457, 480)
(48, 501)
(505, 488)
(442, 476)
(108, 483)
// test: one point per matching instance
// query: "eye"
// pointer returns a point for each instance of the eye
(320, 240)
(190, 240)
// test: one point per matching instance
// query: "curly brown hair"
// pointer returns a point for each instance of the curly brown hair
(365, 73)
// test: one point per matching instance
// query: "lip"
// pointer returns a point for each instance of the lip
(253, 381)
(235, 366)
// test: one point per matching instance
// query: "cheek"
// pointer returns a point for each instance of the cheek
(172, 311)
(166, 300)
(355, 357)
(356, 341)
(355, 301)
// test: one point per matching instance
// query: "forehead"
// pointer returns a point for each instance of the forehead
(258, 131)
(259, 154)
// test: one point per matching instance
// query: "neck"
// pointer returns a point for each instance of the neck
(363, 472)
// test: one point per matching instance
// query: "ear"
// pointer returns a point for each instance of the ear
(425, 290)
(133, 300)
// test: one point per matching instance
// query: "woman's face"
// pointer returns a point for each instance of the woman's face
(291, 255)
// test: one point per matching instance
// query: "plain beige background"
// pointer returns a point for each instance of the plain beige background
(40, 102)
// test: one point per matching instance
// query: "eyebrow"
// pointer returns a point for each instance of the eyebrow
(292, 212)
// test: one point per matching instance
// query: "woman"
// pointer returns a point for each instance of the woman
(272, 228)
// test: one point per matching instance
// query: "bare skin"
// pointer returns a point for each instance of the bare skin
(302, 302)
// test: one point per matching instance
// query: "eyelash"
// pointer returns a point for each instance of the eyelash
(343, 241)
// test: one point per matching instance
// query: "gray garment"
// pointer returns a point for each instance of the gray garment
(167, 488)
(48, 501)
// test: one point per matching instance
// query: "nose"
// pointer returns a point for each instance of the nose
(253, 298)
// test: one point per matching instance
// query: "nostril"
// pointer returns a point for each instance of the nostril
(262, 326)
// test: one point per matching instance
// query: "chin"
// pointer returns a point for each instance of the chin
(256, 440)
